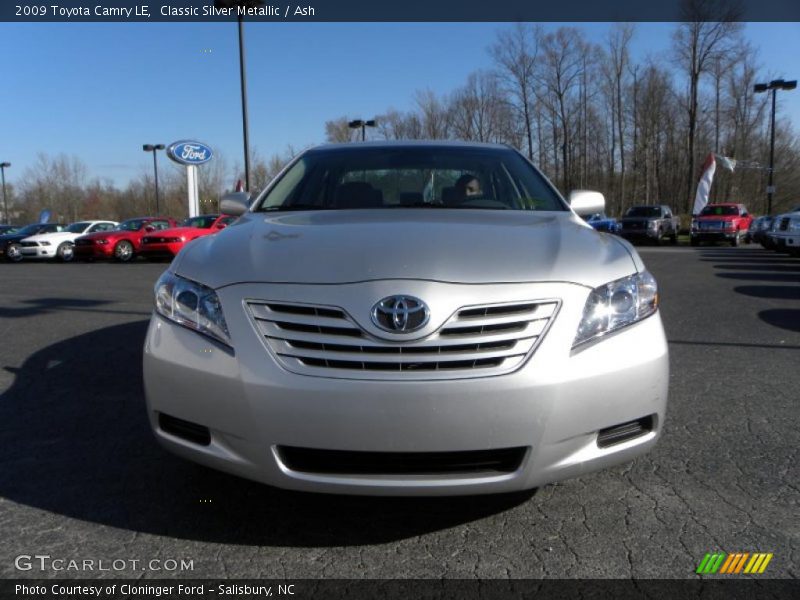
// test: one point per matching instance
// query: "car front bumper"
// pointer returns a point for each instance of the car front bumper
(553, 406)
(711, 236)
(34, 252)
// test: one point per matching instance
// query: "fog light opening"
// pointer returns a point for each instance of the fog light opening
(625, 431)
(186, 430)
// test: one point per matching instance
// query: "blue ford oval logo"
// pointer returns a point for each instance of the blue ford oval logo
(189, 152)
(400, 314)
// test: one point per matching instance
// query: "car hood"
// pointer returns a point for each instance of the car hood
(462, 246)
(50, 237)
(106, 234)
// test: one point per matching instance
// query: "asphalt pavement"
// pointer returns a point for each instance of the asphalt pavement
(82, 478)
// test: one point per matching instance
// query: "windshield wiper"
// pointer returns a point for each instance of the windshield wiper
(292, 207)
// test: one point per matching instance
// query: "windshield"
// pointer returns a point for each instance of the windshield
(441, 177)
(719, 210)
(203, 222)
(131, 225)
(28, 229)
(78, 227)
(643, 211)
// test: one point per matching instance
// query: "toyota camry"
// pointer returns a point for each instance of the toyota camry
(407, 319)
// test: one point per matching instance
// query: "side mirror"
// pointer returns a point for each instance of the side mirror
(222, 226)
(235, 203)
(149, 228)
(585, 202)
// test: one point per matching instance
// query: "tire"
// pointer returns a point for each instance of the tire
(673, 238)
(14, 252)
(123, 251)
(694, 242)
(736, 239)
(65, 252)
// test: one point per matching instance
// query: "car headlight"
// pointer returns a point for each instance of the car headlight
(653, 224)
(192, 305)
(102, 241)
(616, 305)
(794, 225)
(44, 243)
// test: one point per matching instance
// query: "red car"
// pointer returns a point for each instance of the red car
(121, 243)
(168, 243)
(725, 221)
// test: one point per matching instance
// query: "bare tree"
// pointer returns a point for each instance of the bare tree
(698, 43)
(515, 53)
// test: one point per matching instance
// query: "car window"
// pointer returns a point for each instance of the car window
(159, 225)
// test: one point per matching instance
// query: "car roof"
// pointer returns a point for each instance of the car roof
(386, 144)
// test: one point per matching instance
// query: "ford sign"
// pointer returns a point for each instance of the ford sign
(189, 153)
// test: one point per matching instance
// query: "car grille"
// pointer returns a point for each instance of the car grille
(476, 341)
(712, 225)
(342, 462)
(80, 242)
(29, 244)
(634, 225)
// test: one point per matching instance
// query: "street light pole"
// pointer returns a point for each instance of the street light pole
(363, 125)
(774, 86)
(3, 176)
(245, 126)
(152, 148)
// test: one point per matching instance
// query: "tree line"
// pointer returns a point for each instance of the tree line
(591, 117)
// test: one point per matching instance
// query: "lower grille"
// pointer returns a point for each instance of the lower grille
(342, 462)
(29, 244)
(475, 341)
(624, 432)
(186, 430)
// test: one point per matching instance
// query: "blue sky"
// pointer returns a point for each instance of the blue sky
(99, 91)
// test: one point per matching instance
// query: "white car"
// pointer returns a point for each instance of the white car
(60, 244)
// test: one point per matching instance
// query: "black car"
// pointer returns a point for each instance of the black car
(10, 242)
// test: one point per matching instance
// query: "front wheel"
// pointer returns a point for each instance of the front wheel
(735, 240)
(14, 252)
(694, 242)
(123, 251)
(673, 238)
(65, 252)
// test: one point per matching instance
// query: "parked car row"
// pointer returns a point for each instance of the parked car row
(150, 237)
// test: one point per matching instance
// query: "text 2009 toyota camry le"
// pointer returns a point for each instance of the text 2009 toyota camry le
(408, 319)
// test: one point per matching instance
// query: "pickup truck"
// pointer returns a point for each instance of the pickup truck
(721, 222)
(650, 223)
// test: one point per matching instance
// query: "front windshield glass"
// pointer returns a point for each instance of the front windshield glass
(643, 211)
(131, 225)
(203, 222)
(442, 177)
(719, 211)
(78, 227)
(28, 229)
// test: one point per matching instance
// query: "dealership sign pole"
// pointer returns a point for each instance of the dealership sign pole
(191, 154)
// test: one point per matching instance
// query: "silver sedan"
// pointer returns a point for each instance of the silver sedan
(407, 319)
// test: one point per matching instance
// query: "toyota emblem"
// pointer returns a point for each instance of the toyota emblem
(400, 314)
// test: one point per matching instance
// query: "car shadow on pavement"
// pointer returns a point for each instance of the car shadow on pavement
(39, 306)
(762, 276)
(75, 441)
(771, 267)
(785, 318)
(773, 292)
